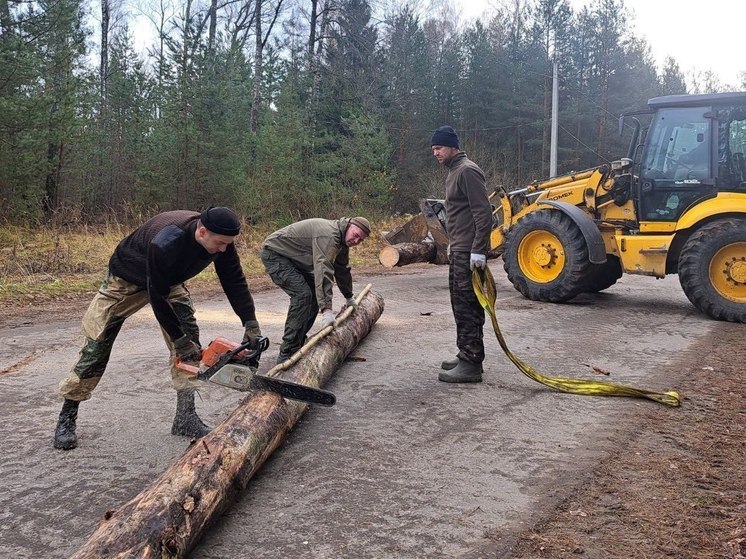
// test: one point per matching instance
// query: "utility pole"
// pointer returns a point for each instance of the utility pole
(555, 110)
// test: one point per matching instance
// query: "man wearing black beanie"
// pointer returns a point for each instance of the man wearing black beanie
(150, 266)
(468, 222)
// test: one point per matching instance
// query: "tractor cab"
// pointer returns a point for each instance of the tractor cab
(693, 150)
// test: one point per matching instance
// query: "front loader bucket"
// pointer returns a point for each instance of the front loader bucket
(421, 239)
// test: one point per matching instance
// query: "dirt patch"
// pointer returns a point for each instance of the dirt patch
(677, 488)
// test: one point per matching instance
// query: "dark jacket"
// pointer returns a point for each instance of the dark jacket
(163, 252)
(317, 245)
(468, 209)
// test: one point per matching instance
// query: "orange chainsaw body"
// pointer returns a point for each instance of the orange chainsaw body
(228, 364)
(210, 355)
(216, 348)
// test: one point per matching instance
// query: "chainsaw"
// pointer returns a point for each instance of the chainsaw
(234, 365)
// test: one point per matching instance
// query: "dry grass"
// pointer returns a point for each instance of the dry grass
(62, 261)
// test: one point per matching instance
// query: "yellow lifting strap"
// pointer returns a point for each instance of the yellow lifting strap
(484, 287)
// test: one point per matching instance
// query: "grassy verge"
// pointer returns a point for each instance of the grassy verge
(42, 264)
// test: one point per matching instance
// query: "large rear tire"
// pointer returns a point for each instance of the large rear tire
(546, 257)
(603, 276)
(712, 269)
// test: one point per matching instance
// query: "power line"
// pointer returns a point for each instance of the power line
(468, 130)
(589, 148)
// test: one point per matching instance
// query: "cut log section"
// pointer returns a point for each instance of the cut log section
(167, 519)
(407, 253)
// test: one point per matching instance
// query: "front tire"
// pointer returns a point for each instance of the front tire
(546, 257)
(712, 269)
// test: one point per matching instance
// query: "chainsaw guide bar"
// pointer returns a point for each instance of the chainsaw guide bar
(233, 365)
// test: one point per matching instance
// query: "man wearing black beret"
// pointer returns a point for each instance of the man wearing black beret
(150, 266)
(469, 222)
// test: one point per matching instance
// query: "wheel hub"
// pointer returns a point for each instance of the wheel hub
(735, 271)
(540, 256)
(544, 255)
(728, 272)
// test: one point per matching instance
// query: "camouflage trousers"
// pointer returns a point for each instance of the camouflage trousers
(115, 301)
(301, 287)
(467, 311)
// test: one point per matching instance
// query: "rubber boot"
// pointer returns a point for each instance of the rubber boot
(465, 371)
(64, 435)
(186, 422)
(449, 364)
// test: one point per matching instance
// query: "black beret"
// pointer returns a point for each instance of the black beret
(221, 221)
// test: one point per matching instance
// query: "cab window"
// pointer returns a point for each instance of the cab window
(732, 140)
(677, 164)
(681, 140)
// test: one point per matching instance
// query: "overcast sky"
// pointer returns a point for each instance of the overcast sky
(700, 35)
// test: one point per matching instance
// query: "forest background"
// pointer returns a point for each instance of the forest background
(286, 109)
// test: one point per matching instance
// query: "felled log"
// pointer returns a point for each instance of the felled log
(167, 518)
(407, 253)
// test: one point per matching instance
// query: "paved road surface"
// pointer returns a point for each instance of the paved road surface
(403, 466)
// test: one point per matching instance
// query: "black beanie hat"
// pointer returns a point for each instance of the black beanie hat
(445, 136)
(221, 221)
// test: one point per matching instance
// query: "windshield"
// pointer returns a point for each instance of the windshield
(678, 146)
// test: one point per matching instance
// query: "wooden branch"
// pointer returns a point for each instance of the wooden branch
(316, 338)
(407, 253)
(167, 519)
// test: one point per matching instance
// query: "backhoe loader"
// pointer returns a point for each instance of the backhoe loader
(676, 204)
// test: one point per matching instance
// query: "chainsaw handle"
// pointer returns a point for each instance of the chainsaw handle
(190, 370)
(262, 343)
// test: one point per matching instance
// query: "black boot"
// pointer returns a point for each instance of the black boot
(282, 357)
(465, 371)
(64, 434)
(449, 364)
(186, 422)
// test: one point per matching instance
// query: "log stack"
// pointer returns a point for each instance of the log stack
(167, 518)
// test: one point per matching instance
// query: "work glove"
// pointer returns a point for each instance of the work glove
(477, 261)
(352, 303)
(327, 319)
(252, 333)
(186, 349)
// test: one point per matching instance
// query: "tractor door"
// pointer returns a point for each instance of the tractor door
(731, 148)
(678, 164)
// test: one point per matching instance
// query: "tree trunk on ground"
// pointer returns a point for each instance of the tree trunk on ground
(168, 517)
(407, 253)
